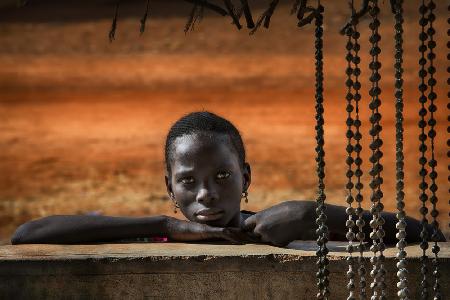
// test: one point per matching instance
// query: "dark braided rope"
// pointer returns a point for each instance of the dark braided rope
(432, 134)
(378, 273)
(423, 186)
(322, 230)
(402, 284)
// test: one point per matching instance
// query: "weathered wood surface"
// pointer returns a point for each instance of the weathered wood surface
(185, 271)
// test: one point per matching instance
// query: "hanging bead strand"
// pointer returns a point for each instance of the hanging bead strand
(431, 135)
(423, 186)
(357, 148)
(378, 272)
(322, 230)
(350, 224)
(402, 284)
(360, 223)
(353, 134)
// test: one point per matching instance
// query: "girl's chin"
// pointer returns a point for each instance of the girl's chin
(216, 223)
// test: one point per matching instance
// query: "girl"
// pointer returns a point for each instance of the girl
(206, 177)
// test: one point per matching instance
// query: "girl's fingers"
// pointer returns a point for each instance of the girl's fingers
(247, 237)
(224, 233)
(249, 223)
(232, 236)
(253, 237)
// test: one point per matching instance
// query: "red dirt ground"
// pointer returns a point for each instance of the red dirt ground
(83, 121)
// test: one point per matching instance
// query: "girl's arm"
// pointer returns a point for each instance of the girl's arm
(295, 220)
(76, 229)
(337, 217)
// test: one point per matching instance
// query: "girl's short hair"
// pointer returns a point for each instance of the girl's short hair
(203, 121)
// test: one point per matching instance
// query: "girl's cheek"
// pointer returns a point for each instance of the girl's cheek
(188, 211)
(184, 196)
(180, 190)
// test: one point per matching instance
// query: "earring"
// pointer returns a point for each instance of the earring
(175, 206)
(245, 195)
(175, 203)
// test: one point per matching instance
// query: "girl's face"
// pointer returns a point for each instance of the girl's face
(207, 179)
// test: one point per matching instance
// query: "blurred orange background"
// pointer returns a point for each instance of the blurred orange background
(83, 120)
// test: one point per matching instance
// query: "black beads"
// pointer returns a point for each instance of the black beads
(402, 284)
(353, 148)
(427, 159)
(352, 53)
(378, 272)
(428, 109)
(322, 229)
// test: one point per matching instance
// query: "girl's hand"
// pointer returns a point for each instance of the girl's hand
(283, 223)
(180, 230)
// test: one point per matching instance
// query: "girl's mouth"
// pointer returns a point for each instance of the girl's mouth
(209, 214)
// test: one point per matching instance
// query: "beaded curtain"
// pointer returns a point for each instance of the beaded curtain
(309, 13)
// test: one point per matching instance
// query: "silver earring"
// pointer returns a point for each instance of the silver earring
(245, 195)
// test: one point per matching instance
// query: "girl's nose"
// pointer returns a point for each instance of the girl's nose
(206, 196)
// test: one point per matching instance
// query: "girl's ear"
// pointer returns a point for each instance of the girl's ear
(168, 185)
(247, 173)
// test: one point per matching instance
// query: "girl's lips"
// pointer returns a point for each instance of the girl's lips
(209, 214)
(209, 217)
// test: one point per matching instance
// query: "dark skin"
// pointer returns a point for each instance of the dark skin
(206, 180)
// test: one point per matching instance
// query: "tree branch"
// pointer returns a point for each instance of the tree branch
(213, 7)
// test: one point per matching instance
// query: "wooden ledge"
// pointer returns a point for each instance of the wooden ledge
(194, 271)
(142, 250)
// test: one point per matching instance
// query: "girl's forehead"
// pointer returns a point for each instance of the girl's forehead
(199, 142)
(202, 146)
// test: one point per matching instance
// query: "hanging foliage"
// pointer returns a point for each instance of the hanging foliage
(305, 14)
(144, 18)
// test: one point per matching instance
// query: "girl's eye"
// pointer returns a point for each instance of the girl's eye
(187, 180)
(223, 175)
